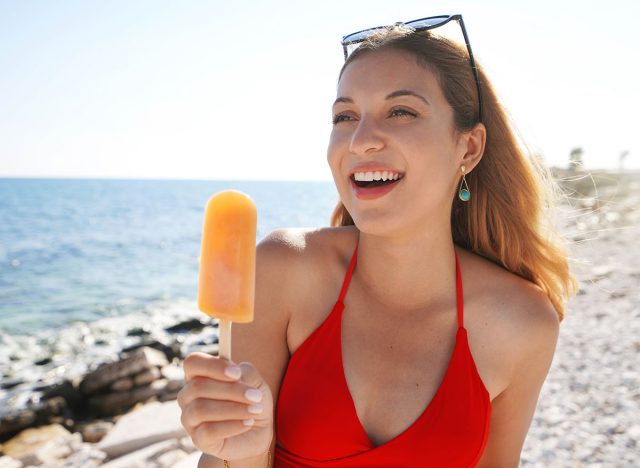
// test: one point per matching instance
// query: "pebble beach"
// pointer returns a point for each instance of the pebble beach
(589, 407)
(587, 414)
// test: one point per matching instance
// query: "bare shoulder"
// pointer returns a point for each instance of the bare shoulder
(302, 259)
(292, 248)
(510, 309)
(307, 241)
(301, 271)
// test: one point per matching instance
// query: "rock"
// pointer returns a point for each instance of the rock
(174, 375)
(12, 423)
(115, 403)
(187, 326)
(190, 348)
(141, 359)
(138, 331)
(111, 404)
(602, 271)
(8, 462)
(152, 423)
(186, 444)
(40, 413)
(43, 361)
(147, 391)
(95, 431)
(6, 384)
(65, 389)
(190, 461)
(39, 445)
(169, 459)
(168, 396)
(85, 456)
(144, 456)
(147, 376)
(169, 350)
(122, 385)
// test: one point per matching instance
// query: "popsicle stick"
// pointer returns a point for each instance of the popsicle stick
(224, 339)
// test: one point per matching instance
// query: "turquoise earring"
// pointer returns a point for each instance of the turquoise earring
(464, 194)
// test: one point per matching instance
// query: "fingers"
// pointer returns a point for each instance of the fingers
(216, 406)
(204, 388)
(204, 365)
(207, 433)
(250, 375)
(205, 411)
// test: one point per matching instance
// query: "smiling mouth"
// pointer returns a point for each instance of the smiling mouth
(374, 183)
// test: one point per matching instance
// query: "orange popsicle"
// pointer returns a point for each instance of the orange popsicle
(226, 284)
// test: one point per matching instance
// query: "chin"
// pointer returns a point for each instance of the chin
(375, 225)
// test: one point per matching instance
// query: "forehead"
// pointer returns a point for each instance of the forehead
(381, 70)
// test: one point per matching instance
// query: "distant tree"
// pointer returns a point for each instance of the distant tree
(575, 159)
(622, 157)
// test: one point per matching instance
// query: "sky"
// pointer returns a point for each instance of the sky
(243, 90)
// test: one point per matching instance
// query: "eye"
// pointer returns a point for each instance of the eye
(340, 118)
(398, 112)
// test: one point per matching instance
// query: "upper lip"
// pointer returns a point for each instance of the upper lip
(373, 168)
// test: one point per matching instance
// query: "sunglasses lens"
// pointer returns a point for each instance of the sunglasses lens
(428, 23)
(359, 36)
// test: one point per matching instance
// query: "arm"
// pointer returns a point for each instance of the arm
(263, 342)
(535, 338)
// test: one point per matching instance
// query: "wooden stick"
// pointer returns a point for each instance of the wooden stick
(224, 339)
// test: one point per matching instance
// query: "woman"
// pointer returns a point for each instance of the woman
(363, 332)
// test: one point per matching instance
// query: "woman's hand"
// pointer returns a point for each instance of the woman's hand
(214, 406)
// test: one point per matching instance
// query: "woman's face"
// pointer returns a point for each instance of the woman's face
(391, 116)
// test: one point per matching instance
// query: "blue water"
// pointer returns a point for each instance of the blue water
(78, 250)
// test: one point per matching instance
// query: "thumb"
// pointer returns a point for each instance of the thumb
(251, 375)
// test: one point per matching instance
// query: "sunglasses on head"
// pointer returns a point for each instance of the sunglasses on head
(418, 25)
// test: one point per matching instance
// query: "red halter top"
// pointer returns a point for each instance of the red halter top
(316, 421)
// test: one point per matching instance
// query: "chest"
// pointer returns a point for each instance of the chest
(395, 364)
(394, 368)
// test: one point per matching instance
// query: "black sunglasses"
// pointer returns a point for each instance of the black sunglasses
(418, 25)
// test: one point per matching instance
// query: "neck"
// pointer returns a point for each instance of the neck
(408, 274)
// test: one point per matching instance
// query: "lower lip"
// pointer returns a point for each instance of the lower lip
(373, 192)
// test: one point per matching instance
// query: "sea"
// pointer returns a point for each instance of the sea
(76, 251)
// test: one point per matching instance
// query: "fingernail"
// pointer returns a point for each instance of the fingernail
(253, 394)
(248, 422)
(233, 372)
(256, 408)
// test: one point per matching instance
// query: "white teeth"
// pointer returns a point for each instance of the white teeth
(377, 175)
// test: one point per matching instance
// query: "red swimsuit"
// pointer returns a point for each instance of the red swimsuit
(317, 424)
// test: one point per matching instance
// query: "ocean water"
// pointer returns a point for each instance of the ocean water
(75, 250)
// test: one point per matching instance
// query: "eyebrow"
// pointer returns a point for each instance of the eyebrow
(395, 94)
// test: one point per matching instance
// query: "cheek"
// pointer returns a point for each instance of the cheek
(333, 156)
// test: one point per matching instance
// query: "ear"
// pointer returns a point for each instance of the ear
(472, 147)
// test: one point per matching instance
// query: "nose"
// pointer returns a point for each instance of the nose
(366, 137)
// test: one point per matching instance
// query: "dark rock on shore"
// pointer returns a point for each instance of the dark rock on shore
(140, 360)
(139, 331)
(170, 350)
(187, 326)
(43, 361)
(6, 384)
(38, 414)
